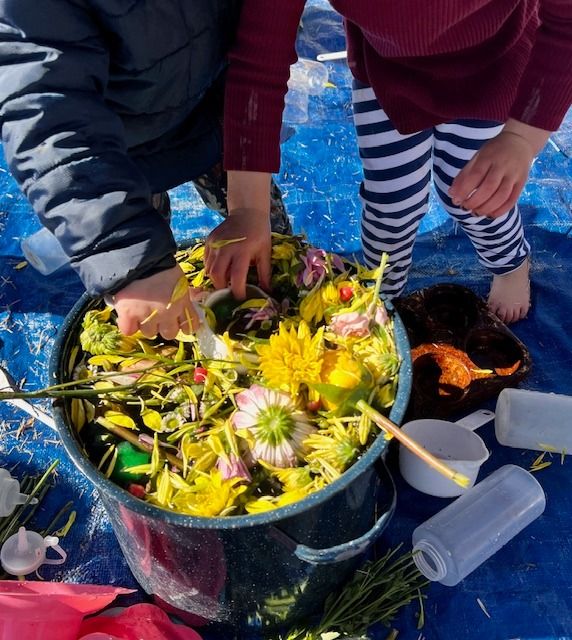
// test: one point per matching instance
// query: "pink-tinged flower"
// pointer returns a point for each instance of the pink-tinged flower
(351, 324)
(266, 313)
(315, 268)
(233, 467)
(274, 428)
(337, 263)
(380, 317)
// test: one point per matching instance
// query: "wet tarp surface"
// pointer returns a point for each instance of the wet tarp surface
(525, 590)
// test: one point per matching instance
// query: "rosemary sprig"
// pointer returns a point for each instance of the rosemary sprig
(375, 594)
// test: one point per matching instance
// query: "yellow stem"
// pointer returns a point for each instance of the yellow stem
(412, 445)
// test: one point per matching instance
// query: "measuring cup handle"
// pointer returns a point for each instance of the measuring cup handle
(476, 419)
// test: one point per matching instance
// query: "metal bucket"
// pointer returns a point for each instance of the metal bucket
(253, 571)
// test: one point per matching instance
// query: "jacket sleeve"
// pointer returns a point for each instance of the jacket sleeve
(545, 91)
(257, 82)
(66, 147)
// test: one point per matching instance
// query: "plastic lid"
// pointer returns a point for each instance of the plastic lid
(25, 552)
(10, 496)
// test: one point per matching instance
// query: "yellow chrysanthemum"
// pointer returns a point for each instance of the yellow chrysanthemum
(379, 356)
(336, 447)
(292, 357)
(313, 307)
(208, 496)
(284, 251)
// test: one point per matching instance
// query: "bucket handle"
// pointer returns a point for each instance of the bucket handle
(346, 550)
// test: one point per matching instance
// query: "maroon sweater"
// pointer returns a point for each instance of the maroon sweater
(428, 61)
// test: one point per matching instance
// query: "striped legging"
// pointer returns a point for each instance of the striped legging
(395, 190)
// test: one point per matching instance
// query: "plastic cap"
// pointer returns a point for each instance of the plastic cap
(25, 552)
(10, 496)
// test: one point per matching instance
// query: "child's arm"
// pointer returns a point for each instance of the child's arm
(492, 181)
(147, 304)
(66, 147)
(254, 99)
(244, 237)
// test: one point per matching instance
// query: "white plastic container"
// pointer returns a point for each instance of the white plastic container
(471, 529)
(10, 496)
(43, 251)
(534, 420)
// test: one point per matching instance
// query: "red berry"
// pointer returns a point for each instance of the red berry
(137, 490)
(200, 375)
(314, 405)
(346, 294)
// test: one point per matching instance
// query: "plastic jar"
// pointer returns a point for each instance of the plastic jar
(458, 539)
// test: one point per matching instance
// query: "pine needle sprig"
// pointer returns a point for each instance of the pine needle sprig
(374, 595)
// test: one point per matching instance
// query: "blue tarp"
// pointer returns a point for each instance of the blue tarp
(526, 588)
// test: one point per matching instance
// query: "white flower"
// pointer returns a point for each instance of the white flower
(272, 425)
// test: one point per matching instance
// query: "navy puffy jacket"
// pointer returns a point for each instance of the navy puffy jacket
(102, 103)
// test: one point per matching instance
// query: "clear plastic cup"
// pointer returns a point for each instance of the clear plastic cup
(458, 539)
(534, 420)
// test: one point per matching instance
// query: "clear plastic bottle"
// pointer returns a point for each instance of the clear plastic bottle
(310, 76)
(43, 251)
(307, 78)
(471, 529)
(534, 420)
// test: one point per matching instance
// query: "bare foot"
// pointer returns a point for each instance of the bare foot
(509, 298)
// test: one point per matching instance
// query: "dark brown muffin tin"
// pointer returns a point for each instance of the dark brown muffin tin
(461, 353)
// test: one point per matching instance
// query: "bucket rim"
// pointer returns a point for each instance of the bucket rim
(110, 490)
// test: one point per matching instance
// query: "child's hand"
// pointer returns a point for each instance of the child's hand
(159, 304)
(241, 240)
(491, 183)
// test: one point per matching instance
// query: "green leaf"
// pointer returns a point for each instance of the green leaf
(344, 399)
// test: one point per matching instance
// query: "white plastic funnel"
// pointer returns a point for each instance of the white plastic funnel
(452, 442)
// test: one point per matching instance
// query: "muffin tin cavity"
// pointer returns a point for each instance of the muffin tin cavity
(462, 354)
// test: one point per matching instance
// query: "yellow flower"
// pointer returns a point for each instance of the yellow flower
(336, 447)
(340, 369)
(314, 306)
(292, 357)
(283, 251)
(208, 496)
(379, 356)
(267, 503)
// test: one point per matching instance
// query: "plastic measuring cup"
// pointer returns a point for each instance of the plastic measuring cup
(455, 443)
